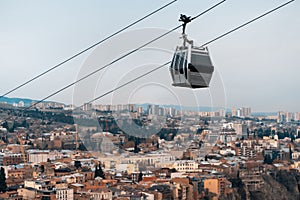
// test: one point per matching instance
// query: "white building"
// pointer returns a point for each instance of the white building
(21, 104)
(150, 159)
(38, 156)
(38, 185)
(65, 194)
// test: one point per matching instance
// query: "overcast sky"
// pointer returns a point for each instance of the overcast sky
(257, 66)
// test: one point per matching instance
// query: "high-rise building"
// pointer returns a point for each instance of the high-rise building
(281, 117)
(161, 111)
(140, 110)
(233, 112)
(172, 111)
(246, 112)
(241, 130)
(239, 112)
(222, 112)
(87, 106)
(289, 116)
(297, 116)
(153, 109)
(131, 107)
(285, 117)
(125, 107)
(119, 107)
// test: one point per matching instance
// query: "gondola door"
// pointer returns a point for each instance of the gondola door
(178, 67)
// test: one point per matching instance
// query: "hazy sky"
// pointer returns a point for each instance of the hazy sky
(257, 66)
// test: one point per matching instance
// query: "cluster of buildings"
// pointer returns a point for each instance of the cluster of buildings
(285, 117)
(241, 112)
(203, 158)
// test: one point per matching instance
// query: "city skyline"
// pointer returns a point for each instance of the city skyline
(24, 102)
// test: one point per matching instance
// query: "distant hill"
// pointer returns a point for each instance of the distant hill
(11, 101)
(264, 114)
(186, 108)
(28, 102)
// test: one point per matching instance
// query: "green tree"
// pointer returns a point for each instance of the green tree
(136, 149)
(42, 168)
(267, 159)
(140, 177)
(3, 185)
(99, 172)
(290, 152)
(77, 164)
(96, 171)
(292, 136)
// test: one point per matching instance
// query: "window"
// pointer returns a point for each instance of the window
(200, 59)
(182, 62)
(173, 62)
(177, 60)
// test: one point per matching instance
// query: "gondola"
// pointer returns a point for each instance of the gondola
(191, 66)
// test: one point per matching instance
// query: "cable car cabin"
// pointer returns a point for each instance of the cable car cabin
(191, 67)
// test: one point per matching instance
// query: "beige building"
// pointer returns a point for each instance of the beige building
(186, 166)
(27, 193)
(129, 168)
(216, 186)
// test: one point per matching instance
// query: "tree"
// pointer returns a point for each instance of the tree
(290, 152)
(292, 136)
(3, 185)
(24, 124)
(267, 159)
(173, 170)
(136, 149)
(5, 125)
(77, 164)
(140, 177)
(99, 172)
(200, 144)
(206, 157)
(96, 171)
(42, 168)
(82, 147)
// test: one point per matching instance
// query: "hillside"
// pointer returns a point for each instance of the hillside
(282, 185)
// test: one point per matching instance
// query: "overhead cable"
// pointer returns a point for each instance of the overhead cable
(86, 49)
